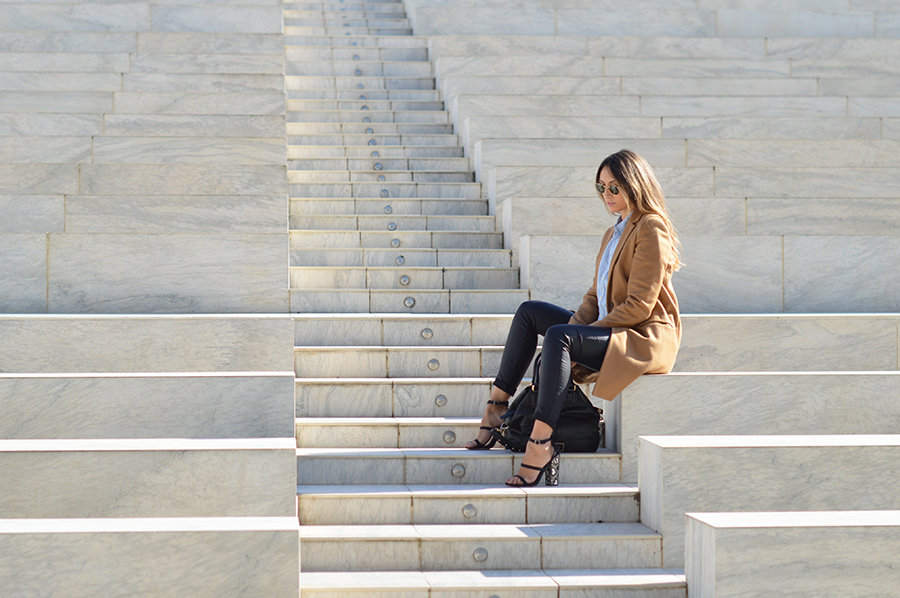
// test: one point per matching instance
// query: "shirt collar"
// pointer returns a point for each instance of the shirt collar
(620, 224)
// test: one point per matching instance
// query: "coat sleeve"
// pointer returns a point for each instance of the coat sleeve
(653, 257)
(587, 313)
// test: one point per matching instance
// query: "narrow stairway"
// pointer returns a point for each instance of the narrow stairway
(402, 289)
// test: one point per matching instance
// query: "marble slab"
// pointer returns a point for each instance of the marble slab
(272, 64)
(174, 125)
(146, 343)
(200, 103)
(687, 474)
(64, 62)
(829, 554)
(203, 557)
(541, 105)
(32, 213)
(53, 82)
(822, 216)
(636, 22)
(38, 179)
(823, 49)
(863, 183)
(67, 41)
(794, 153)
(792, 23)
(23, 288)
(52, 150)
(218, 19)
(215, 150)
(126, 17)
(783, 403)
(239, 405)
(330, 397)
(159, 42)
(719, 86)
(453, 85)
(746, 106)
(180, 273)
(466, 20)
(56, 102)
(771, 128)
(621, 46)
(148, 478)
(499, 45)
(200, 83)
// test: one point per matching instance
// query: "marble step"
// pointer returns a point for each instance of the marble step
(300, 239)
(386, 189)
(377, 175)
(618, 583)
(393, 222)
(350, 53)
(348, 31)
(308, 278)
(403, 95)
(386, 207)
(372, 6)
(335, 20)
(358, 69)
(383, 164)
(484, 547)
(356, 466)
(397, 362)
(375, 142)
(484, 258)
(364, 40)
(357, 104)
(298, 81)
(396, 152)
(467, 504)
(420, 301)
(361, 114)
(384, 432)
(372, 129)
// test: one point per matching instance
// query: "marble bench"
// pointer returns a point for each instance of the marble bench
(199, 557)
(688, 474)
(822, 554)
(148, 478)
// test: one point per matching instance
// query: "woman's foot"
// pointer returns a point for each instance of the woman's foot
(538, 455)
(492, 418)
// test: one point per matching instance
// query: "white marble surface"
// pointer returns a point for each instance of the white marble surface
(148, 478)
(636, 22)
(75, 17)
(178, 272)
(829, 554)
(23, 289)
(218, 19)
(66, 41)
(155, 150)
(31, 213)
(329, 397)
(214, 558)
(846, 182)
(38, 179)
(200, 83)
(159, 42)
(782, 403)
(794, 23)
(181, 125)
(349, 466)
(37, 150)
(246, 405)
(771, 128)
(198, 343)
(794, 153)
(85, 102)
(689, 474)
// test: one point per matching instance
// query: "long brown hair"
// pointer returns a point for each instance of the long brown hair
(642, 190)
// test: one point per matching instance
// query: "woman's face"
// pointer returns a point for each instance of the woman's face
(617, 204)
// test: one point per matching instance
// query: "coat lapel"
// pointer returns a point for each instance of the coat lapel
(629, 228)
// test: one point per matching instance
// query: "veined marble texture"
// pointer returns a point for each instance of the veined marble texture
(504, 65)
(126, 17)
(510, 45)
(148, 478)
(719, 86)
(67, 41)
(850, 49)
(186, 150)
(534, 105)
(771, 128)
(181, 273)
(272, 64)
(550, 278)
(676, 47)
(454, 85)
(38, 179)
(751, 403)
(634, 21)
(56, 102)
(65, 62)
(23, 287)
(32, 213)
(837, 69)
(795, 153)
(201, 83)
(207, 125)
(891, 128)
(54, 125)
(323, 397)
(875, 107)
(247, 405)
(860, 86)
(747, 106)
(822, 216)
(156, 558)
(200, 103)
(695, 67)
(887, 24)
(863, 183)
(52, 344)
(687, 474)
(159, 42)
(532, 216)
(218, 19)
(53, 82)
(794, 23)
(442, 20)
(182, 179)
(828, 554)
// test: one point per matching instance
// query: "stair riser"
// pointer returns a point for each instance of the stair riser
(406, 240)
(403, 278)
(414, 258)
(375, 142)
(303, 81)
(421, 331)
(497, 301)
(388, 206)
(397, 363)
(385, 436)
(307, 176)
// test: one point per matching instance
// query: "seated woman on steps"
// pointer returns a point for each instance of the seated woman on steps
(628, 323)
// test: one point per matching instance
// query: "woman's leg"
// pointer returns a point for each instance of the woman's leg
(533, 318)
(563, 345)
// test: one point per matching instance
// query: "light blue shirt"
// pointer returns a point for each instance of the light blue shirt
(603, 270)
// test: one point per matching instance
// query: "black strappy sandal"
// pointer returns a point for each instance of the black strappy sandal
(551, 469)
(481, 446)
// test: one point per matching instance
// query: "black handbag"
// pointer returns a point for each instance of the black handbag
(580, 428)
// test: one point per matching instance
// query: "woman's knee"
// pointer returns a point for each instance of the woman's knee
(561, 333)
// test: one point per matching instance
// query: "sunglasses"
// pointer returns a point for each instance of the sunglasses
(600, 187)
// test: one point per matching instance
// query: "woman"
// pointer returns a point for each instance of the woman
(628, 323)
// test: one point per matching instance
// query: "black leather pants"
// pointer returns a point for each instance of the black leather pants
(564, 344)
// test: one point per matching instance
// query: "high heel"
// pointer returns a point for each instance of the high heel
(551, 469)
(481, 446)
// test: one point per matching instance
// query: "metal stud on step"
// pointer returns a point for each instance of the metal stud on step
(369, 131)
(449, 437)
(409, 302)
(358, 73)
(404, 280)
(400, 260)
(384, 193)
(364, 107)
(388, 209)
(375, 154)
(360, 86)
(378, 166)
(440, 401)
(395, 242)
(459, 471)
(356, 57)
(367, 120)
(392, 226)
(433, 364)
(372, 142)
(480, 555)
(381, 178)
(469, 510)
(355, 44)
(427, 333)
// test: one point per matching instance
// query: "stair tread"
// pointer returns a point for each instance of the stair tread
(479, 530)
(450, 491)
(443, 453)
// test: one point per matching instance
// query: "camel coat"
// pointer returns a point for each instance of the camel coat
(641, 304)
